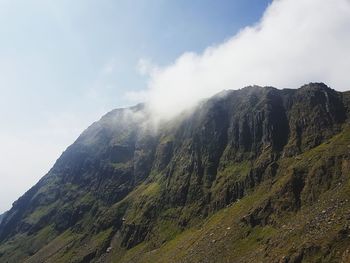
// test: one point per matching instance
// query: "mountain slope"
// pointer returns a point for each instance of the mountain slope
(253, 174)
(1, 217)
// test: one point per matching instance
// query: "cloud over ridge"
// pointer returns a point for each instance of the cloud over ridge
(295, 42)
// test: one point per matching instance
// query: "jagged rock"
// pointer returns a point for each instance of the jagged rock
(122, 184)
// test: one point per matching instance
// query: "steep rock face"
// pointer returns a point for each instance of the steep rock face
(314, 113)
(123, 182)
(1, 217)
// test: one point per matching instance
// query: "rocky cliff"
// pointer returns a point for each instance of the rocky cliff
(251, 174)
(1, 217)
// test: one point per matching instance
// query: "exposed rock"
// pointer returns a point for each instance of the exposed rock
(122, 184)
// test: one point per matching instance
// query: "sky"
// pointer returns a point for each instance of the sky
(63, 64)
(294, 42)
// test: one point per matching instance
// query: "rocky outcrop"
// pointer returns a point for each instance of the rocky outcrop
(123, 177)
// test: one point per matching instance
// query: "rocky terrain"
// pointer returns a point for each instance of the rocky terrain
(256, 174)
(1, 217)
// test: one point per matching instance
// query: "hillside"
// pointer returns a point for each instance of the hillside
(256, 174)
(1, 217)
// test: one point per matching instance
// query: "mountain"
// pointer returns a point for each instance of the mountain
(256, 174)
(1, 217)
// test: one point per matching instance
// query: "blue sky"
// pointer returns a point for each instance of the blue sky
(65, 63)
(84, 53)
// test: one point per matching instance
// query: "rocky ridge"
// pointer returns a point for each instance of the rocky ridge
(251, 174)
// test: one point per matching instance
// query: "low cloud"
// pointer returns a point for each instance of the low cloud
(295, 42)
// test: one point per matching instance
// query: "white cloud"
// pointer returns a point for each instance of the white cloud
(295, 42)
(136, 96)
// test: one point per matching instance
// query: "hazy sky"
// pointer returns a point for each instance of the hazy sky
(64, 63)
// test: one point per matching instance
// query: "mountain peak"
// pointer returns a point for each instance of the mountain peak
(257, 165)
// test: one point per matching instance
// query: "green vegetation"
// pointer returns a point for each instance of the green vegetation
(258, 175)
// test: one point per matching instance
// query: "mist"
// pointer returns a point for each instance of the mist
(295, 42)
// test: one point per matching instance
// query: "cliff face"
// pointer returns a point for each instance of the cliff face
(257, 173)
(1, 217)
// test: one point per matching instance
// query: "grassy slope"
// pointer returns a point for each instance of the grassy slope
(317, 232)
